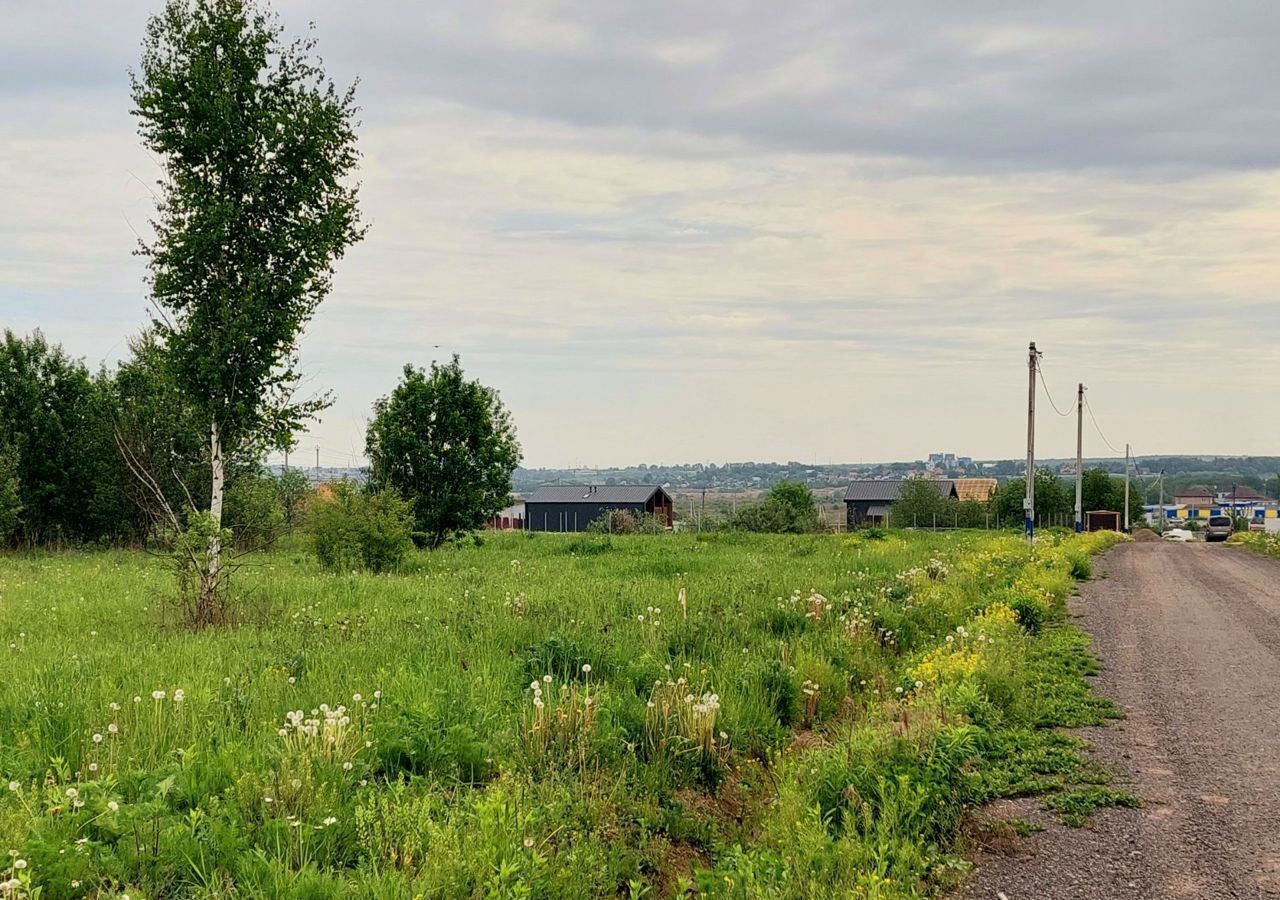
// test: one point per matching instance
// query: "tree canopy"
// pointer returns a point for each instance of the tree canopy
(256, 205)
(448, 445)
(788, 508)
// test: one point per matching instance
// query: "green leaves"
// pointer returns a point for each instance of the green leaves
(257, 204)
(446, 444)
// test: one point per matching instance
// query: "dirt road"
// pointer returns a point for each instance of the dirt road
(1189, 638)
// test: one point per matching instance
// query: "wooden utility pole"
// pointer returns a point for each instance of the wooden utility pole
(1029, 502)
(1080, 458)
(1126, 488)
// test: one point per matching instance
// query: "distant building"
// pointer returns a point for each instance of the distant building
(1195, 497)
(509, 519)
(572, 507)
(979, 489)
(868, 501)
(1241, 493)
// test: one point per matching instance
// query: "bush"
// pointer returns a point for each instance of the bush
(622, 521)
(1081, 567)
(253, 512)
(789, 508)
(358, 530)
(1031, 614)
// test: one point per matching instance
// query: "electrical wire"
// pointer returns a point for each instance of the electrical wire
(1098, 428)
(1045, 385)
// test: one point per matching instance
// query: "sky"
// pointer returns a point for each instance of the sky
(728, 230)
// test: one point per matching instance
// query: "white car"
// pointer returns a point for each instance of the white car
(1180, 535)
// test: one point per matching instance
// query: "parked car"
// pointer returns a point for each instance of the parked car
(1218, 529)
(1178, 535)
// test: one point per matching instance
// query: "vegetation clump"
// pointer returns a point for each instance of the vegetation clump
(361, 530)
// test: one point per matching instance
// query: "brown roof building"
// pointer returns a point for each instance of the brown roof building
(980, 489)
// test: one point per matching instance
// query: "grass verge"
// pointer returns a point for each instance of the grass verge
(730, 715)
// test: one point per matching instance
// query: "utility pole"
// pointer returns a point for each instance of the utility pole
(702, 514)
(1029, 502)
(286, 457)
(1163, 518)
(317, 460)
(1126, 488)
(1080, 458)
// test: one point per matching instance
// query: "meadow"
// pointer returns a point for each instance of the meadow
(538, 716)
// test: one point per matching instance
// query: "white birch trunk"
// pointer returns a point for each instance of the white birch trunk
(209, 588)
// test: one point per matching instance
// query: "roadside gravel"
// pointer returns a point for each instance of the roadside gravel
(1189, 638)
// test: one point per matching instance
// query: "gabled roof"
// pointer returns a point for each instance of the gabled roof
(889, 490)
(979, 489)
(1242, 492)
(590, 493)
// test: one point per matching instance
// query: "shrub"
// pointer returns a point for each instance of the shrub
(253, 512)
(623, 521)
(358, 530)
(1031, 614)
(789, 508)
(1081, 567)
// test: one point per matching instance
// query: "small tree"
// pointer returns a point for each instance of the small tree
(788, 508)
(292, 490)
(55, 427)
(257, 147)
(448, 446)
(919, 504)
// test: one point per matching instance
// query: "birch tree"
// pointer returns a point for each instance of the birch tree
(255, 206)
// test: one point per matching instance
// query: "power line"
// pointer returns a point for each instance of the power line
(1098, 428)
(1045, 385)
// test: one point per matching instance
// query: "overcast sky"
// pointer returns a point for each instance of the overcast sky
(673, 231)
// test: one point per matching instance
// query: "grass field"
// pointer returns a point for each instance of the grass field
(538, 716)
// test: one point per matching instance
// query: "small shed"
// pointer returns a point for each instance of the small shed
(1102, 520)
(572, 507)
(868, 501)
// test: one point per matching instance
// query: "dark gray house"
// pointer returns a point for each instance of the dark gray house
(572, 507)
(867, 502)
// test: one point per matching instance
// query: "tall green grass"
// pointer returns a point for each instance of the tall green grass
(538, 716)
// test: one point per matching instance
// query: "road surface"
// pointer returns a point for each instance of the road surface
(1189, 638)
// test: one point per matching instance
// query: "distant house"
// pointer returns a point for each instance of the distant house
(1241, 493)
(572, 507)
(980, 489)
(1194, 497)
(868, 501)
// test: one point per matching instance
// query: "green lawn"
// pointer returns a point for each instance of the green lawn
(537, 716)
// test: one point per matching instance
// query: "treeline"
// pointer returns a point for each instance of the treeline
(82, 452)
(91, 458)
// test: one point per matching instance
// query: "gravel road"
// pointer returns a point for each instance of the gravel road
(1189, 638)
